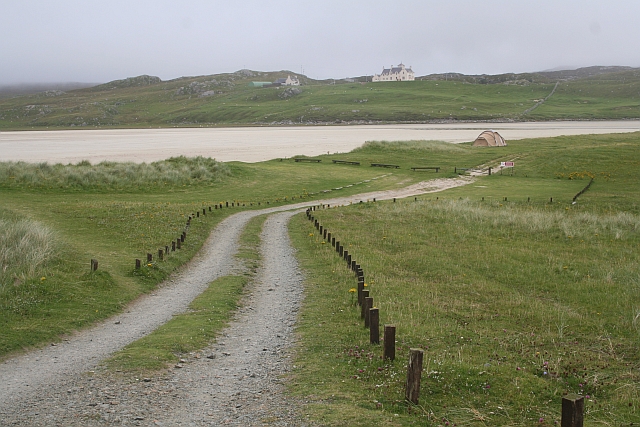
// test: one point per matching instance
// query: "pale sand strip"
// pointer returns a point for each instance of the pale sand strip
(254, 144)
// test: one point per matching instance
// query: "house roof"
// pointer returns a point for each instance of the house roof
(395, 70)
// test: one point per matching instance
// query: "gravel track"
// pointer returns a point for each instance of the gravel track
(236, 381)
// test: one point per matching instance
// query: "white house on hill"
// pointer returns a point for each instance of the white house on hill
(289, 81)
(394, 74)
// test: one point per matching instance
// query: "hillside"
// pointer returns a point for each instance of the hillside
(226, 99)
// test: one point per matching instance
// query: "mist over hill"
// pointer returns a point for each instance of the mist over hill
(7, 91)
(536, 77)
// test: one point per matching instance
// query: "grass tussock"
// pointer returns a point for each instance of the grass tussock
(26, 246)
(173, 172)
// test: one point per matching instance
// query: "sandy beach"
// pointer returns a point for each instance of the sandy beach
(255, 144)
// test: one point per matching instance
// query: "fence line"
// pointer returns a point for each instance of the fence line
(572, 405)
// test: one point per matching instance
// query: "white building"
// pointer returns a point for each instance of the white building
(394, 74)
(289, 81)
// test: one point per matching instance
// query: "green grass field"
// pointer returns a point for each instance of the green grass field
(515, 299)
(230, 101)
(116, 221)
(514, 302)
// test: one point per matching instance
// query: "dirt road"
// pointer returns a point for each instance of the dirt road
(239, 383)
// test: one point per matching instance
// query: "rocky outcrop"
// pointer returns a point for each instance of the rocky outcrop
(289, 92)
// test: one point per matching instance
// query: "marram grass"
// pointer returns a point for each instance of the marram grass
(27, 246)
(173, 172)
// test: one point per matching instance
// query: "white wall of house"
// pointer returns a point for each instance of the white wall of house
(399, 73)
(292, 81)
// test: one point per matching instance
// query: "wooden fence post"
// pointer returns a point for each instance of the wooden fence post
(368, 302)
(94, 264)
(138, 264)
(374, 326)
(360, 289)
(149, 257)
(414, 374)
(173, 246)
(389, 342)
(160, 254)
(178, 243)
(363, 307)
(572, 410)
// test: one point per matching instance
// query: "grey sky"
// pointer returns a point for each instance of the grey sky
(99, 40)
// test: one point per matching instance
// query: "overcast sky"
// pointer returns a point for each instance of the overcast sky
(100, 40)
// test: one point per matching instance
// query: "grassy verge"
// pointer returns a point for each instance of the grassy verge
(65, 295)
(208, 314)
(513, 306)
(515, 302)
(116, 225)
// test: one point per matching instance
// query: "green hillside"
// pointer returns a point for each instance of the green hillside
(227, 99)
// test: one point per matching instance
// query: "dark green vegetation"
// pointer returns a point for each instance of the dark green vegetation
(514, 302)
(227, 99)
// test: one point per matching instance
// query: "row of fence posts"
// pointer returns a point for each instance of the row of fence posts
(371, 315)
(177, 244)
(572, 404)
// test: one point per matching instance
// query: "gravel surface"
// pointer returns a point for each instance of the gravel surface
(238, 381)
